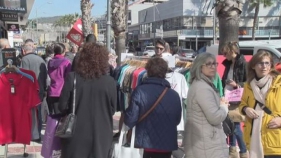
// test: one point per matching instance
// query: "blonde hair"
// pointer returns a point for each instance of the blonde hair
(231, 47)
(256, 59)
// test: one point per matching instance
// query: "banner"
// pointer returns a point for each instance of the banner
(75, 35)
(9, 17)
(18, 6)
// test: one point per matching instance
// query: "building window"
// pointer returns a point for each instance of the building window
(157, 25)
(187, 22)
(167, 24)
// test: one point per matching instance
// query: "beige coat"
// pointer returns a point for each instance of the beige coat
(204, 136)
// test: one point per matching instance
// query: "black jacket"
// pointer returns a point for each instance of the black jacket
(239, 70)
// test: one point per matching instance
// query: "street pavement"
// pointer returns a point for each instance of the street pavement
(34, 149)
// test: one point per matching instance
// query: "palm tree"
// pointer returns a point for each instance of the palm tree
(67, 20)
(119, 11)
(256, 5)
(86, 8)
(228, 13)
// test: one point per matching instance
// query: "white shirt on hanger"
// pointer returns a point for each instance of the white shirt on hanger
(179, 84)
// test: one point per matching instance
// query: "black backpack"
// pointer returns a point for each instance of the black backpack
(228, 126)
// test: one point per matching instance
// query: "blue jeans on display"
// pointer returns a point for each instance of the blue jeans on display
(237, 136)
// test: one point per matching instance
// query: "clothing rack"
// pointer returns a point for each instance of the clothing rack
(185, 58)
(137, 57)
(10, 66)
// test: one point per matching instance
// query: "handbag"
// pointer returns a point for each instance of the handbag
(228, 126)
(121, 151)
(234, 113)
(234, 95)
(66, 125)
(51, 146)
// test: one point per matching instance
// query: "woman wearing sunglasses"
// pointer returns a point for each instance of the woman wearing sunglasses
(261, 103)
(234, 77)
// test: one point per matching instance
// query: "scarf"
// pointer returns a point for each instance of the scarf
(209, 82)
(260, 89)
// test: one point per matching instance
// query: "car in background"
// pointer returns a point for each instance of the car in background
(149, 50)
(189, 53)
(41, 51)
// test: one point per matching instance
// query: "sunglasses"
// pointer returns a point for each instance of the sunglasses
(159, 48)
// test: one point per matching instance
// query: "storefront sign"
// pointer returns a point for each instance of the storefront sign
(75, 35)
(9, 17)
(13, 27)
(18, 6)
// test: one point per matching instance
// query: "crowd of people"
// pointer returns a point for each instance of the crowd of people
(156, 132)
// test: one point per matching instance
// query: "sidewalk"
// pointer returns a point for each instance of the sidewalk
(34, 149)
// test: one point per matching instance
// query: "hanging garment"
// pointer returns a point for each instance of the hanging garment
(179, 84)
(18, 95)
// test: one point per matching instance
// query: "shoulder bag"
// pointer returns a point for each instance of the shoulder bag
(66, 125)
(154, 105)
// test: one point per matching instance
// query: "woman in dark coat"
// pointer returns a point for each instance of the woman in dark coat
(96, 100)
(157, 133)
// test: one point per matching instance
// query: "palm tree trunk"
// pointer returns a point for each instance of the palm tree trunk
(228, 12)
(119, 25)
(86, 8)
(257, 9)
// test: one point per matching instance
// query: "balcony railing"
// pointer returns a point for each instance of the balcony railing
(201, 33)
(244, 33)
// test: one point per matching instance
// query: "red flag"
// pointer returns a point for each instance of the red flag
(75, 35)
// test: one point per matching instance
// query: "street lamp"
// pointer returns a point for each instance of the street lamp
(108, 26)
(37, 18)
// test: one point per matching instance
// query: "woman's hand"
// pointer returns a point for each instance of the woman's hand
(232, 83)
(274, 123)
(224, 101)
(251, 113)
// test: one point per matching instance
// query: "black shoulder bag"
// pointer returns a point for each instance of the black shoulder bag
(228, 126)
(66, 125)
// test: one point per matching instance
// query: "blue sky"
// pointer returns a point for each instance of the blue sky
(62, 7)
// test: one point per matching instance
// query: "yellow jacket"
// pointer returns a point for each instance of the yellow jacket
(271, 138)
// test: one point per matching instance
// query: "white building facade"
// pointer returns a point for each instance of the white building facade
(189, 23)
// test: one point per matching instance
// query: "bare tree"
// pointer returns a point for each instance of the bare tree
(86, 8)
(228, 12)
(119, 17)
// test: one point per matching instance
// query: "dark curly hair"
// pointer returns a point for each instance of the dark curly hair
(156, 67)
(93, 61)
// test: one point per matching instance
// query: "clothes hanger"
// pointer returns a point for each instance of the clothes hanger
(11, 68)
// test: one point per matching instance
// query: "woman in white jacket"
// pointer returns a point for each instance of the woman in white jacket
(204, 136)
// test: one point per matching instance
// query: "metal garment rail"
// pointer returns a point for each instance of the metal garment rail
(24, 151)
(185, 58)
(137, 57)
